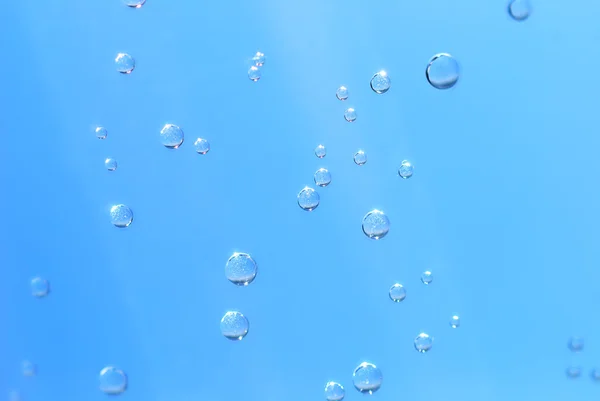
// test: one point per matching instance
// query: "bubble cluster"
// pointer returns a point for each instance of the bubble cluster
(234, 326)
(255, 71)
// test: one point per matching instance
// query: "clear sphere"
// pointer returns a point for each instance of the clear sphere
(241, 269)
(423, 342)
(101, 132)
(380, 83)
(405, 170)
(573, 372)
(125, 63)
(442, 71)
(342, 93)
(171, 136)
(595, 374)
(234, 326)
(254, 73)
(40, 287)
(426, 277)
(576, 344)
(110, 164)
(519, 10)
(28, 368)
(320, 151)
(112, 380)
(134, 3)
(14, 395)
(334, 391)
(367, 378)
(259, 59)
(308, 199)
(202, 146)
(350, 115)
(375, 224)
(397, 293)
(360, 157)
(322, 177)
(454, 321)
(121, 216)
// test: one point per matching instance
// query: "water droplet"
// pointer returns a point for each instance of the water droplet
(112, 380)
(405, 170)
(101, 132)
(426, 277)
(576, 344)
(110, 164)
(342, 93)
(125, 63)
(308, 199)
(254, 73)
(595, 374)
(455, 322)
(40, 287)
(121, 216)
(234, 326)
(380, 83)
(320, 151)
(28, 368)
(171, 136)
(367, 378)
(240, 269)
(202, 146)
(350, 115)
(519, 10)
(397, 293)
(134, 3)
(442, 71)
(259, 59)
(423, 342)
(334, 392)
(360, 157)
(375, 224)
(322, 177)
(573, 372)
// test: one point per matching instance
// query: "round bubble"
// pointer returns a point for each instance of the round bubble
(375, 224)
(121, 216)
(112, 380)
(360, 157)
(110, 164)
(342, 93)
(234, 326)
(397, 293)
(380, 83)
(322, 177)
(28, 368)
(320, 151)
(442, 71)
(519, 10)
(573, 372)
(254, 73)
(308, 199)
(171, 136)
(367, 378)
(334, 391)
(426, 277)
(40, 287)
(14, 395)
(241, 269)
(134, 3)
(259, 59)
(202, 146)
(576, 344)
(101, 132)
(423, 342)
(125, 63)
(350, 115)
(454, 321)
(595, 374)
(405, 170)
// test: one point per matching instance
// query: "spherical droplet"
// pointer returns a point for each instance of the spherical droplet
(423, 342)
(426, 277)
(397, 293)
(254, 73)
(595, 374)
(40, 287)
(241, 269)
(28, 368)
(202, 146)
(125, 63)
(360, 157)
(234, 326)
(342, 93)
(112, 380)
(405, 170)
(367, 378)
(573, 372)
(121, 216)
(576, 344)
(519, 10)
(101, 132)
(110, 164)
(308, 199)
(322, 177)
(454, 321)
(259, 59)
(350, 115)
(134, 3)
(171, 136)
(320, 151)
(380, 83)
(442, 71)
(334, 391)
(375, 224)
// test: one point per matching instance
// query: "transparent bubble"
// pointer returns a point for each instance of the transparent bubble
(28, 368)
(576, 344)
(308, 199)
(134, 3)
(202, 146)
(405, 170)
(320, 151)
(375, 224)
(14, 395)
(380, 83)
(110, 164)
(519, 10)
(121, 216)
(234, 326)
(112, 380)
(334, 392)
(254, 73)
(241, 269)
(350, 115)
(454, 321)
(259, 59)
(397, 293)
(40, 287)
(442, 71)
(423, 342)
(125, 63)
(101, 132)
(171, 136)
(426, 277)
(322, 177)
(360, 157)
(367, 378)
(573, 372)
(342, 93)
(595, 374)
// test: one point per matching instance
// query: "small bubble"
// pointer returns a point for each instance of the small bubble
(110, 164)
(121, 216)
(426, 277)
(455, 322)
(28, 368)
(320, 151)
(134, 3)
(519, 10)
(241, 269)
(397, 293)
(334, 392)
(442, 71)
(360, 157)
(405, 170)
(40, 287)
(595, 374)
(375, 224)
(234, 326)
(259, 59)
(254, 73)
(423, 342)
(14, 395)
(380, 83)
(125, 63)
(101, 132)
(308, 199)
(573, 372)
(342, 93)
(202, 146)
(350, 115)
(576, 344)
(171, 136)
(367, 378)
(112, 380)
(322, 177)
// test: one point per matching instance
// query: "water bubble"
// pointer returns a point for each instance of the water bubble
(334, 391)
(426, 277)
(342, 93)
(121, 216)
(171, 136)
(397, 293)
(112, 380)
(322, 177)
(375, 224)
(380, 83)
(134, 3)
(367, 378)
(14, 395)
(454, 321)
(405, 170)
(595, 374)
(101, 132)
(254, 73)
(110, 164)
(308, 199)
(576, 344)
(259, 59)
(202, 146)
(125, 63)
(350, 115)
(519, 10)
(234, 326)
(40, 287)
(423, 342)
(442, 71)
(28, 368)
(241, 269)
(320, 151)
(573, 372)
(360, 157)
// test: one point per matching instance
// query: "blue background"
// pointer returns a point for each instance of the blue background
(502, 208)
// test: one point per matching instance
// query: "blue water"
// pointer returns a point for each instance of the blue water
(502, 207)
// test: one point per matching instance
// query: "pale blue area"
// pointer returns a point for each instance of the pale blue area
(503, 206)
